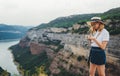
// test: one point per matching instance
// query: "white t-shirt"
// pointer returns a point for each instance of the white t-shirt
(104, 36)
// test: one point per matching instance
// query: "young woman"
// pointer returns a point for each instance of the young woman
(99, 38)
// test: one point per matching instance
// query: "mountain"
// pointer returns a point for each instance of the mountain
(52, 52)
(12, 31)
(81, 18)
(67, 21)
(112, 14)
(112, 20)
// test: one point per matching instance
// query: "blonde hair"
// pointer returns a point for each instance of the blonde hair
(91, 27)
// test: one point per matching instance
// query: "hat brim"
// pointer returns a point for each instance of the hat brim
(89, 22)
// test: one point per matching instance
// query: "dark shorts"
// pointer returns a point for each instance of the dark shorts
(97, 56)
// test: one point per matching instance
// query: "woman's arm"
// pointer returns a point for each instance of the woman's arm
(101, 45)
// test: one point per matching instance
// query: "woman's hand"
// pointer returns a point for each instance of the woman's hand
(101, 45)
(91, 38)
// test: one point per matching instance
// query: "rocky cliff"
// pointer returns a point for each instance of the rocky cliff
(75, 46)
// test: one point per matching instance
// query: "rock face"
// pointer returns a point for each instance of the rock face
(72, 42)
(24, 42)
(69, 62)
(57, 30)
(114, 45)
(76, 43)
(36, 48)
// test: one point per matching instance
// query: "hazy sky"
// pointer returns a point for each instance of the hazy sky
(35, 12)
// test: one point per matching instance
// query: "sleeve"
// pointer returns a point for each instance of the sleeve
(106, 36)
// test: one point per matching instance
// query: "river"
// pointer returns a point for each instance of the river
(6, 58)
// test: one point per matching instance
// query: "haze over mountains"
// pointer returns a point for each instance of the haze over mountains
(12, 31)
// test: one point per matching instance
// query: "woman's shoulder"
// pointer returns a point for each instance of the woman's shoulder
(105, 35)
(105, 31)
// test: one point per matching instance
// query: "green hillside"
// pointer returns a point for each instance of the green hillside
(112, 14)
(67, 21)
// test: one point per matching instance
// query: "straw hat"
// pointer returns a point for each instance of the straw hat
(95, 19)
